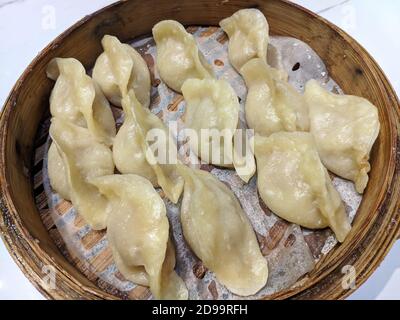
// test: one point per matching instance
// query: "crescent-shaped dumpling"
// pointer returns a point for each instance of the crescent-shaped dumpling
(247, 30)
(134, 152)
(295, 185)
(220, 234)
(138, 234)
(83, 158)
(212, 112)
(345, 129)
(129, 151)
(78, 99)
(272, 104)
(178, 57)
(119, 69)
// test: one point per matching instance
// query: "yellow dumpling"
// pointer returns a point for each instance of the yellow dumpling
(78, 99)
(133, 152)
(83, 158)
(294, 184)
(138, 234)
(272, 104)
(247, 30)
(119, 69)
(345, 129)
(178, 57)
(220, 234)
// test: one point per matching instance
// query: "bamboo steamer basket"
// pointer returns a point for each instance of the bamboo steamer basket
(377, 223)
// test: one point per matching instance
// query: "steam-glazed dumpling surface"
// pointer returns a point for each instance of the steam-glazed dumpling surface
(83, 157)
(295, 185)
(211, 105)
(119, 69)
(345, 129)
(247, 30)
(134, 152)
(78, 99)
(178, 57)
(138, 234)
(220, 234)
(272, 104)
(129, 150)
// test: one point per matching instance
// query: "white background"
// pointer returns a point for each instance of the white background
(27, 26)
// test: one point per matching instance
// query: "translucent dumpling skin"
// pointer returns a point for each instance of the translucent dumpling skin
(178, 57)
(220, 234)
(119, 69)
(79, 100)
(345, 129)
(272, 104)
(295, 185)
(247, 30)
(82, 159)
(138, 234)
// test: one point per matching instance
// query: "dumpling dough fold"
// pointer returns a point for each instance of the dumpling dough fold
(133, 152)
(220, 234)
(212, 112)
(119, 69)
(129, 150)
(345, 129)
(295, 185)
(178, 57)
(138, 234)
(83, 158)
(272, 104)
(79, 100)
(247, 30)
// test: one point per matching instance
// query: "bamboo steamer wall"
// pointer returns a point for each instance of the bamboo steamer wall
(376, 226)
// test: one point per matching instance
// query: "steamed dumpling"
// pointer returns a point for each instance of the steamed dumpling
(135, 154)
(247, 30)
(83, 158)
(129, 152)
(272, 104)
(295, 185)
(220, 234)
(345, 129)
(178, 57)
(121, 68)
(138, 234)
(212, 112)
(78, 99)
(211, 107)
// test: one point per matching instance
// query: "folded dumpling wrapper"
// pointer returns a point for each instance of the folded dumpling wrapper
(212, 112)
(272, 104)
(119, 69)
(178, 57)
(83, 158)
(247, 30)
(344, 128)
(138, 234)
(129, 151)
(220, 234)
(295, 185)
(79, 100)
(133, 152)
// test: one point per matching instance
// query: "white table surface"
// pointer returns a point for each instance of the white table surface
(27, 26)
